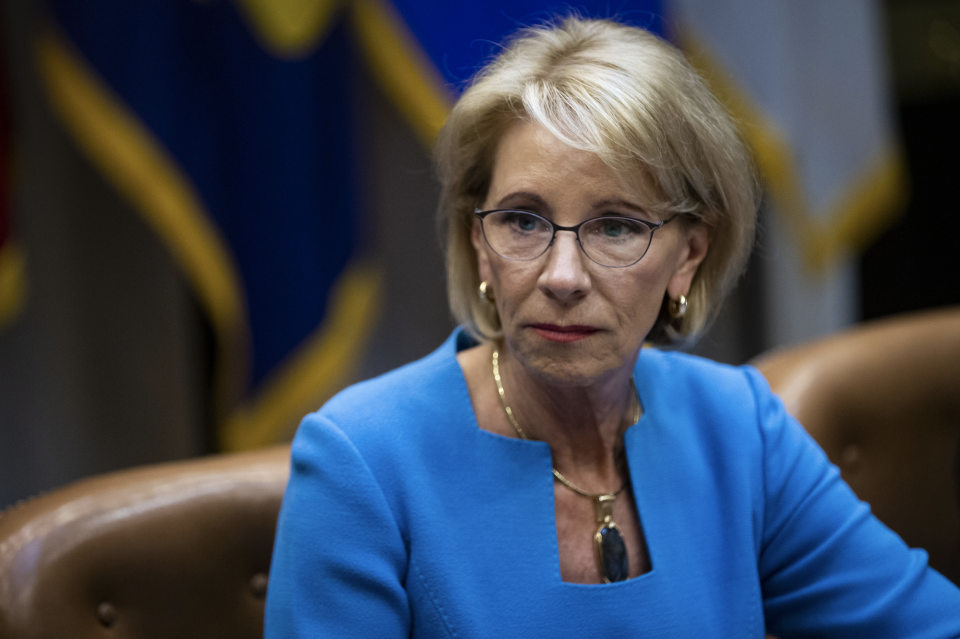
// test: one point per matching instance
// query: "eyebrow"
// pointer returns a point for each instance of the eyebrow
(623, 203)
(525, 195)
(596, 205)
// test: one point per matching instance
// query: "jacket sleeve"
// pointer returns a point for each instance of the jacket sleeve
(339, 560)
(828, 567)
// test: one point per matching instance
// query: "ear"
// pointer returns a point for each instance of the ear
(696, 242)
(481, 248)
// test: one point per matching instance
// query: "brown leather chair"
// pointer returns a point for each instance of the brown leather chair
(173, 550)
(183, 550)
(883, 400)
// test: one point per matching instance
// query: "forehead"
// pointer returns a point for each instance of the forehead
(531, 159)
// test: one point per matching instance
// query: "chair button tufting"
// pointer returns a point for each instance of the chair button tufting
(258, 585)
(850, 457)
(107, 614)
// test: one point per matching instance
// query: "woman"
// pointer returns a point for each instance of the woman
(542, 474)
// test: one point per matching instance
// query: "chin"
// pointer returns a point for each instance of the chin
(576, 364)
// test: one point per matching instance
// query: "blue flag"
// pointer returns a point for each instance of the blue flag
(232, 128)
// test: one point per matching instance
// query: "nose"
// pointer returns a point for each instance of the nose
(565, 277)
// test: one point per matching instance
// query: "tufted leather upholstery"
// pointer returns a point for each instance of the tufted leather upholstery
(174, 550)
(183, 550)
(883, 400)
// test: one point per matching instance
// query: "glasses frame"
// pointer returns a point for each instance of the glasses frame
(653, 226)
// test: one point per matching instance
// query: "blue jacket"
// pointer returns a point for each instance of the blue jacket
(404, 518)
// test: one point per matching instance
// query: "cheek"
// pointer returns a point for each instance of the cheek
(515, 283)
(638, 299)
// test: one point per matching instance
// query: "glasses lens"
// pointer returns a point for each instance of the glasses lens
(517, 235)
(615, 241)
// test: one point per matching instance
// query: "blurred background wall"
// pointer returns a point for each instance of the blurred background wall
(217, 213)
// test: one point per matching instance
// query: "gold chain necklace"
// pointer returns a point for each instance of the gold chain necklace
(608, 543)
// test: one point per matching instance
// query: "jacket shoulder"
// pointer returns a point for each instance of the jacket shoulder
(395, 406)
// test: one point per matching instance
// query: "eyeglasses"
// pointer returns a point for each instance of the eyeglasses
(609, 241)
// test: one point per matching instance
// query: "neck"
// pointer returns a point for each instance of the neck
(584, 424)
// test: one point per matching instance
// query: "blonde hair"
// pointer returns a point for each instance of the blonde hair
(632, 99)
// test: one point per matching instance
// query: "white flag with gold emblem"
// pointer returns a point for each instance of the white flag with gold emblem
(808, 82)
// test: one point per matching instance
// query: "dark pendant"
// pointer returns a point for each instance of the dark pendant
(612, 553)
(608, 542)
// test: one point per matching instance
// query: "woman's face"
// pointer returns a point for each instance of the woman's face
(567, 319)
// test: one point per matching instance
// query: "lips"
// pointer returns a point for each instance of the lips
(563, 334)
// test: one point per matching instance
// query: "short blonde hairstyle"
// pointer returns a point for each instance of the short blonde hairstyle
(632, 99)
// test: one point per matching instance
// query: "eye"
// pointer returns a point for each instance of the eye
(522, 221)
(617, 227)
(613, 228)
(526, 222)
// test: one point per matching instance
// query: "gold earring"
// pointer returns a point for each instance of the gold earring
(678, 307)
(486, 293)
